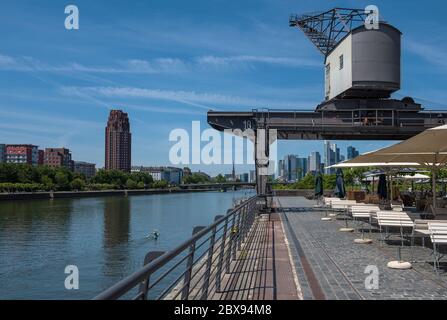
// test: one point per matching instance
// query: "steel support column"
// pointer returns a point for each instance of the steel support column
(264, 168)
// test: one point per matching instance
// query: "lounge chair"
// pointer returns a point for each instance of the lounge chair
(363, 212)
(401, 220)
(420, 229)
(438, 236)
(390, 218)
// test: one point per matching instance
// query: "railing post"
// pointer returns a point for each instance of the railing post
(242, 232)
(240, 229)
(144, 286)
(221, 255)
(189, 265)
(227, 255)
(251, 212)
(244, 225)
(230, 244)
(206, 279)
(237, 234)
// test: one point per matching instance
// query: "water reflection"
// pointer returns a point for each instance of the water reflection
(116, 235)
(105, 237)
(46, 222)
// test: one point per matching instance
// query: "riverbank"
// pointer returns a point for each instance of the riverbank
(85, 194)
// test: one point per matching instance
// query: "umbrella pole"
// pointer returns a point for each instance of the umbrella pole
(391, 187)
(434, 188)
(373, 186)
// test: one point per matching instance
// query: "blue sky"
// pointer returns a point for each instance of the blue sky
(167, 62)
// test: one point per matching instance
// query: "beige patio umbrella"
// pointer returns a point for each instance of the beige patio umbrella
(428, 149)
(378, 158)
(417, 176)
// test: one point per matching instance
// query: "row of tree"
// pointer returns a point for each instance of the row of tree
(197, 177)
(352, 178)
(23, 177)
(308, 182)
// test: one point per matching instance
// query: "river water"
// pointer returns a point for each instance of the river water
(105, 237)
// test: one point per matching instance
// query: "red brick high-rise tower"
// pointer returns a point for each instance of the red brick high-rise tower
(118, 142)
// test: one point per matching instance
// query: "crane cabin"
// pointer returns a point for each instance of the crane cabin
(364, 64)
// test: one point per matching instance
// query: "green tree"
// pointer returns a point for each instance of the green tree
(219, 179)
(195, 178)
(329, 181)
(143, 177)
(62, 181)
(140, 185)
(77, 184)
(47, 182)
(115, 177)
(8, 172)
(27, 174)
(308, 182)
(161, 184)
(353, 176)
(131, 184)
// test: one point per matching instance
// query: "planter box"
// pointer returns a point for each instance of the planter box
(356, 195)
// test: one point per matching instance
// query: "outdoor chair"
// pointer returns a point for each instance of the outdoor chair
(394, 219)
(333, 204)
(438, 236)
(364, 212)
(344, 208)
(341, 206)
(397, 207)
(390, 219)
(329, 200)
(420, 229)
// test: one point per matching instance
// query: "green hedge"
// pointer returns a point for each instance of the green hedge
(21, 187)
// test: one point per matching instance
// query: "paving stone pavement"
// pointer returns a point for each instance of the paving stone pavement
(338, 264)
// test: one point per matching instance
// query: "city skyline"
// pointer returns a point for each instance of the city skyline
(293, 167)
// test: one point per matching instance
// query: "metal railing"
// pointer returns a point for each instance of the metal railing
(360, 117)
(196, 267)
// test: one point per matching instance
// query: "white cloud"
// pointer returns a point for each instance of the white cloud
(153, 66)
(10, 63)
(6, 60)
(199, 99)
(237, 60)
(49, 120)
(432, 54)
